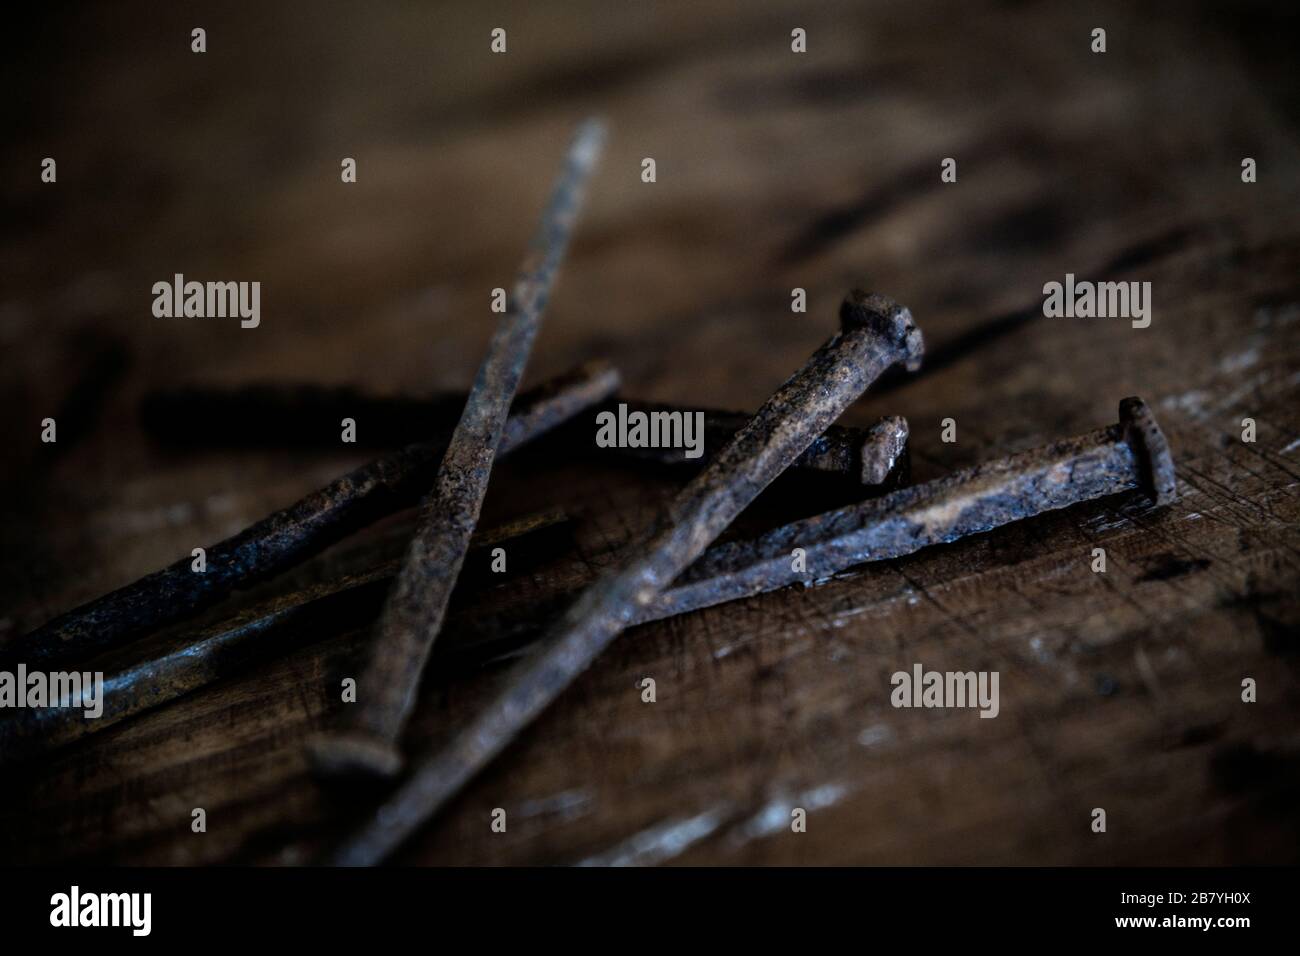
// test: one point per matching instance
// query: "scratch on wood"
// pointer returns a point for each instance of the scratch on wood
(662, 842)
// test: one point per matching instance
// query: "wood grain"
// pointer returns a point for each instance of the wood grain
(775, 170)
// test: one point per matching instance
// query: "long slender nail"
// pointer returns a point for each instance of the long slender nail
(876, 334)
(353, 600)
(1129, 456)
(871, 456)
(308, 415)
(180, 666)
(290, 536)
(413, 616)
(1124, 457)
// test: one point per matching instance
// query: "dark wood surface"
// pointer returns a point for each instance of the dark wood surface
(1118, 690)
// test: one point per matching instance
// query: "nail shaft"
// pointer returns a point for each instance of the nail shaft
(876, 334)
(871, 456)
(417, 604)
(288, 537)
(353, 600)
(1129, 456)
(177, 666)
(308, 416)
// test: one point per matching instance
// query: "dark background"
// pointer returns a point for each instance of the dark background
(775, 170)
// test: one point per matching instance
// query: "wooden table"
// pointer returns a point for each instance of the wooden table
(775, 170)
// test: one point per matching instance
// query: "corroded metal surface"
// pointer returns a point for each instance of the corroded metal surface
(1131, 455)
(417, 604)
(292, 535)
(306, 415)
(876, 334)
(871, 456)
(197, 658)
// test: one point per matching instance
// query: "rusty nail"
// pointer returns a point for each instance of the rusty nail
(876, 333)
(287, 537)
(180, 664)
(417, 604)
(307, 416)
(1130, 455)
(870, 456)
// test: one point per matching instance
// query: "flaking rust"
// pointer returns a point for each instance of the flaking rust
(876, 333)
(201, 656)
(175, 666)
(873, 456)
(368, 742)
(1131, 455)
(308, 415)
(290, 536)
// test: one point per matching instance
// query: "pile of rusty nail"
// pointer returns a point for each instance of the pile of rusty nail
(673, 567)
